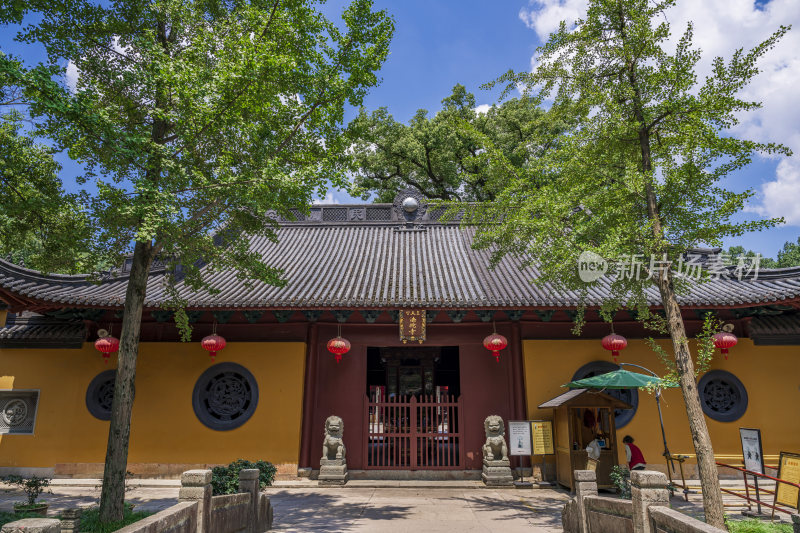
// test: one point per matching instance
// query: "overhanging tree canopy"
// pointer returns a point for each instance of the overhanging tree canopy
(441, 162)
(195, 119)
(638, 178)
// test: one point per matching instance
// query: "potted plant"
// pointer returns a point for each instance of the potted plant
(33, 487)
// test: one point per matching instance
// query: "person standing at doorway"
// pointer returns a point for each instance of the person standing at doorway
(633, 454)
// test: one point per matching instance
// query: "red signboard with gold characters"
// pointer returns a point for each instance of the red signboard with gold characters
(412, 325)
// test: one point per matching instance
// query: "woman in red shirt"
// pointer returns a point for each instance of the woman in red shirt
(633, 454)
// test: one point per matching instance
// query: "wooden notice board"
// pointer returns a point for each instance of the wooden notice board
(542, 433)
(788, 470)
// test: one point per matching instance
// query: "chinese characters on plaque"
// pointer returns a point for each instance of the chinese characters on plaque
(412, 325)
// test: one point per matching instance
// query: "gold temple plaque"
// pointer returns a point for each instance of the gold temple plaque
(412, 325)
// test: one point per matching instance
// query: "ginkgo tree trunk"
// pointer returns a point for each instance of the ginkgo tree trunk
(639, 176)
(191, 117)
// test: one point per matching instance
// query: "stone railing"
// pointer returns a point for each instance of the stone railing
(648, 510)
(197, 511)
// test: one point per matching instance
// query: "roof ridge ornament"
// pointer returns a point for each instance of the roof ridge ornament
(410, 205)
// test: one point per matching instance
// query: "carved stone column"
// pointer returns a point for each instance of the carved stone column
(196, 487)
(648, 488)
(70, 520)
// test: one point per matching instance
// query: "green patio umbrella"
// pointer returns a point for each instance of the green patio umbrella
(617, 379)
(624, 379)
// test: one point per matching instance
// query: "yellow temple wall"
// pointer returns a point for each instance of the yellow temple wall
(166, 435)
(770, 374)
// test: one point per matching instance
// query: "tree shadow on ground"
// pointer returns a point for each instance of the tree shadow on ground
(541, 510)
(314, 511)
(60, 499)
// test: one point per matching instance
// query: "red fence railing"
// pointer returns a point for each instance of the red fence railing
(409, 434)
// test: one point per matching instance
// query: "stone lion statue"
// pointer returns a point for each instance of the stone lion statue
(495, 448)
(333, 445)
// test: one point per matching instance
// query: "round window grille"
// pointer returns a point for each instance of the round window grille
(722, 396)
(225, 396)
(100, 394)
(631, 396)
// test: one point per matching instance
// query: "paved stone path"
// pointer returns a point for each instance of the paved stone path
(361, 508)
(417, 510)
(391, 510)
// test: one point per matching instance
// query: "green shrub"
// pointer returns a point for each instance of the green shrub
(756, 526)
(32, 486)
(6, 517)
(90, 520)
(621, 478)
(225, 479)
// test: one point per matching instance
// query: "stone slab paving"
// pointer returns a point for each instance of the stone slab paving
(417, 510)
(403, 506)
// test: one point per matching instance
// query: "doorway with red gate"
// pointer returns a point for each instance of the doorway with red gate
(413, 409)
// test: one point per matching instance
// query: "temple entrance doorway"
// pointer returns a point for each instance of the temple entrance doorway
(413, 407)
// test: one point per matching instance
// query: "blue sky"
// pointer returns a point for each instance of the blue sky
(439, 43)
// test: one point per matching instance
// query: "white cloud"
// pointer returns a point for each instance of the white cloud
(779, 196)
(71, 77)
(544, 16)
(483, 109)
(329, 199)
(721, 27)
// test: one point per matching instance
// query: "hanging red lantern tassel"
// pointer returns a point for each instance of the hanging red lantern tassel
(338, 346)
(106, 345)
(213, 343)
(614, 343)
(725, 340)
(494, 343)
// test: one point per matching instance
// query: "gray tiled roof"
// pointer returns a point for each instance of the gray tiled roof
(775, 330)
(40, 331)
(384, 264)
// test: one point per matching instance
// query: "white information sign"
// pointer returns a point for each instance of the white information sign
(751, 449)
(519, 438)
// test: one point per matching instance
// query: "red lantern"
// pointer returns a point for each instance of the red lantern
(338, 346)
(213, 343)
(614, 343)
(106, 345)
(495, 342)
(724, 340)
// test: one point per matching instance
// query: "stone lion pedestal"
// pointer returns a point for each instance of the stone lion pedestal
(496, 465)
(333, 464)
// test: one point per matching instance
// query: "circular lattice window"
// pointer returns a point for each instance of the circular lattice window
(722, 396)
(631, 396)
(100, 394)
(225, 396)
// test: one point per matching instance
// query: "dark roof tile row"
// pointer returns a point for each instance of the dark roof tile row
(380, 266)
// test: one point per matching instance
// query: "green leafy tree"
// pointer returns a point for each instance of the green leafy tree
(788, 256)
(640, 174)
(735, 252)
(430, 156)
(195, 119)
(41, 226)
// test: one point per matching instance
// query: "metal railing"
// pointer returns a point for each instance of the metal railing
(758, 490)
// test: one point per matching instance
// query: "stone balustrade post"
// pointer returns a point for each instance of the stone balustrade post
(648, 489)
(585, 485)
(196, 487)
(33, 525)
(70, 520)
(248, 483)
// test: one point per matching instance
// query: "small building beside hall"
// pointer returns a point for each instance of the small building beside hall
(420, 405)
